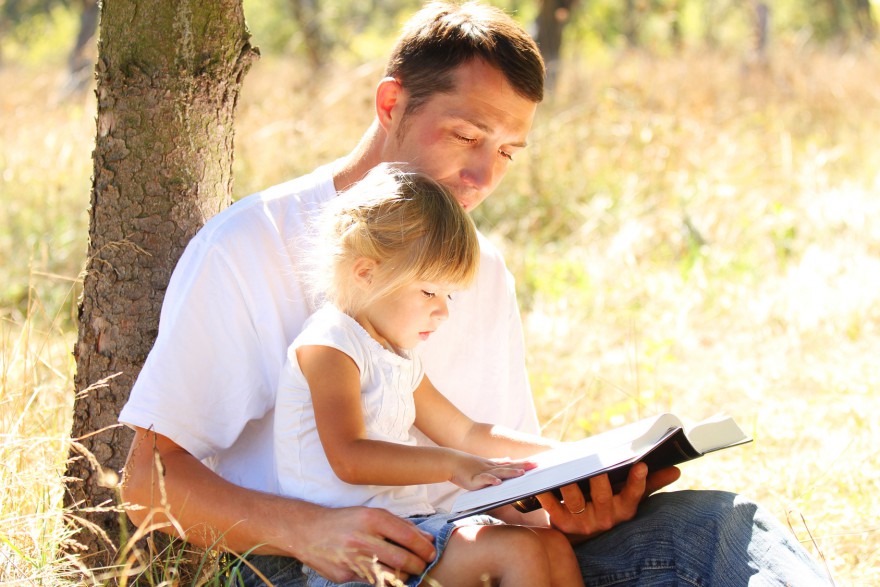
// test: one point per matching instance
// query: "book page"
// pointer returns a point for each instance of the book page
(716, 432)
(637, 436)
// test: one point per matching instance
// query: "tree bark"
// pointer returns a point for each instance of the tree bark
(169, 74)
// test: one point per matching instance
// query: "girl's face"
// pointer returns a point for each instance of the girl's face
(407, 316)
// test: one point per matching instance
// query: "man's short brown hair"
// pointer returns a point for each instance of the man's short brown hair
(442, 36)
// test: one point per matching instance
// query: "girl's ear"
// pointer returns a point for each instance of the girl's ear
(362, 272)
(389, 106)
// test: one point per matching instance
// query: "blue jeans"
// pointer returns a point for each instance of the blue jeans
(700, 538)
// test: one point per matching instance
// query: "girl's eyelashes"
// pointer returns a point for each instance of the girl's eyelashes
(431, 295)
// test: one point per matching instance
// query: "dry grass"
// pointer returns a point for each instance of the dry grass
(687, 234)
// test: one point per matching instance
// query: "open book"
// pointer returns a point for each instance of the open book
(661, 441)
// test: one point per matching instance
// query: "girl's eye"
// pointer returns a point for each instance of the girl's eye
(466, 140)
(505, 154)
(449, 297)
(428, 294)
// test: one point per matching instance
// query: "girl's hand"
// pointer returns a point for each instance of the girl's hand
(471, 472)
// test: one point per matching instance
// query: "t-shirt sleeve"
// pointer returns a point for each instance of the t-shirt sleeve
(204, 379)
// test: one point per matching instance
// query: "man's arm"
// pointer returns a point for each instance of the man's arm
(213, 511)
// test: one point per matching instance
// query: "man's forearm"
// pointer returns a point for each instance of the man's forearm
(208, 510)
(213, 513)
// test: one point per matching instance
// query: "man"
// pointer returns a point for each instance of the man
(458, 100)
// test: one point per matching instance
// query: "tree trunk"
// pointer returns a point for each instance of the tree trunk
(631, 23)
(762, 30)
(834, 10)
(307, 14)
(552, 18)
(865, 19)
(169, 76)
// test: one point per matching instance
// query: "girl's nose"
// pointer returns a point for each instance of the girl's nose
(441, 312)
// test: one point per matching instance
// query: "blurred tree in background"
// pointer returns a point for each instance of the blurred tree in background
(22, 20)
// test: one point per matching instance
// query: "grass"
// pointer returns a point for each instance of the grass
(690, 234)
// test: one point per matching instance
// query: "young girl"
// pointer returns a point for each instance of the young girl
(394, 248)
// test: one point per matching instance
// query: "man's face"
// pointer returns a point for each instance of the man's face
(465, 139)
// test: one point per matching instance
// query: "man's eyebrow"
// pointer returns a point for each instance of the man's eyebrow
(487, 129)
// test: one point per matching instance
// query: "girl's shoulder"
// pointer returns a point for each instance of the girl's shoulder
(333, 328)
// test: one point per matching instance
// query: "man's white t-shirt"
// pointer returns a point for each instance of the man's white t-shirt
(387, 383)
(233, 306)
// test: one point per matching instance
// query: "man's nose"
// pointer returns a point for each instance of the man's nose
(480, 171)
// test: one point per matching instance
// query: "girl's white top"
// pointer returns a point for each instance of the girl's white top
(387, 382)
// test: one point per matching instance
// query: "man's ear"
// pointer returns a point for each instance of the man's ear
(389, 102)
(362, 272)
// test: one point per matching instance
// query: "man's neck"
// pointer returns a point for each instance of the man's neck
(366, 155)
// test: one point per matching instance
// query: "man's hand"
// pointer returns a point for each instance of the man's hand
(360, 543)
(581, 519)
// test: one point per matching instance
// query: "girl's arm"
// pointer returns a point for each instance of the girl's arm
(448, 426)
(334, 383)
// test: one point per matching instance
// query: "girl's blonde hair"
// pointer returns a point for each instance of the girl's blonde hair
(410, 225)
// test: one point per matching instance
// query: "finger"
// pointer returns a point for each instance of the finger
(626, 503)
(562, 519)
(486, 479)
(601, 492)
(552, 506)
(602, 497)
(634, 489)
(400, 544)
(528, 465)
(507, 472)
(662, 478)
(573, 499)
(524, 464)
(374, 553)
